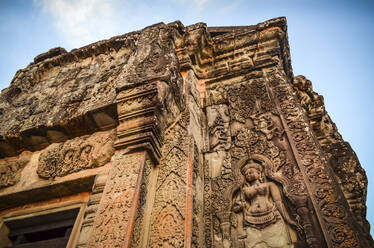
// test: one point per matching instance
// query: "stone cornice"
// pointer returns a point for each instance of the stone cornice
(227, 51)
(212, 53)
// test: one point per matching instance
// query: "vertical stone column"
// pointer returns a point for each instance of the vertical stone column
(138, 146)
(176, 219)
(171, 223)
(91, 209)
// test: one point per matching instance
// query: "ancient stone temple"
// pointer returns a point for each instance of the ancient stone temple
(175, 136)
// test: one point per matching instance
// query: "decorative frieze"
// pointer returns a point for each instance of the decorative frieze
(86, 152)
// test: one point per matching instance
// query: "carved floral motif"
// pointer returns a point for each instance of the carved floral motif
(113, 214)
(138, 233)
(247, 99)
(169, 212)
(322, 189)
(254, 129)
(61, 159)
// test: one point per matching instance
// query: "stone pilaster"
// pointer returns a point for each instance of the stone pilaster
(137, 147)
(139, 120)
(91, 210)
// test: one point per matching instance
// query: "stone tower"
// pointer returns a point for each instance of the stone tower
(175, 136)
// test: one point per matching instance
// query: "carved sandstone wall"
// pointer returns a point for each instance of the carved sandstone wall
(180, 137)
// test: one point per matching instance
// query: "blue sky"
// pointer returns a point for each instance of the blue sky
(331, 44)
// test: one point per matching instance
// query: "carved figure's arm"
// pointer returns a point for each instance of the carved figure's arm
(276, 195)
(238, 204)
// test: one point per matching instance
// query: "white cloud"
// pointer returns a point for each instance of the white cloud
(200, 4)
(81, 22)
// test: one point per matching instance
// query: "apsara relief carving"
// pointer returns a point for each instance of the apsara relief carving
(259, 133)
(261, 219)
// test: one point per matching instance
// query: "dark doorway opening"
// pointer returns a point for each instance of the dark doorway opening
(48, 230)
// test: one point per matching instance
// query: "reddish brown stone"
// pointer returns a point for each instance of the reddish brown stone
(186, 137)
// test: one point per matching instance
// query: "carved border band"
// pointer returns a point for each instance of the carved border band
(323, 191)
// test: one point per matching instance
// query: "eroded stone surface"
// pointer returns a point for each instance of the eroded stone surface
(351, 176)
(57, 97)
(11, 168)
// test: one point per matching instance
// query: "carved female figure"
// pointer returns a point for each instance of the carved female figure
(261, 215)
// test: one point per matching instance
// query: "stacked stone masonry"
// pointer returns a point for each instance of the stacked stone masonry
(175, 136)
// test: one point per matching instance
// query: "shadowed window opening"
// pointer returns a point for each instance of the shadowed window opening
(49, 230)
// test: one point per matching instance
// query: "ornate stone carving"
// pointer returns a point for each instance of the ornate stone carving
(11, 168)
(305, 93)
(323, 127)
(198, 200)
(141, 118)
(218, 127)
(265, 124)
(170, 213)
(114, 213)
(323, 191)
(247, 99)
(352, 179)
(140, 137)
(61, 159)
(169, 230)
(178, 177)
(261, 217)
(91, 210)
(141, 215)
(256, 131)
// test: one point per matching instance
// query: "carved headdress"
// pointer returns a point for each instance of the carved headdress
(257, 161)
(250, 164)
